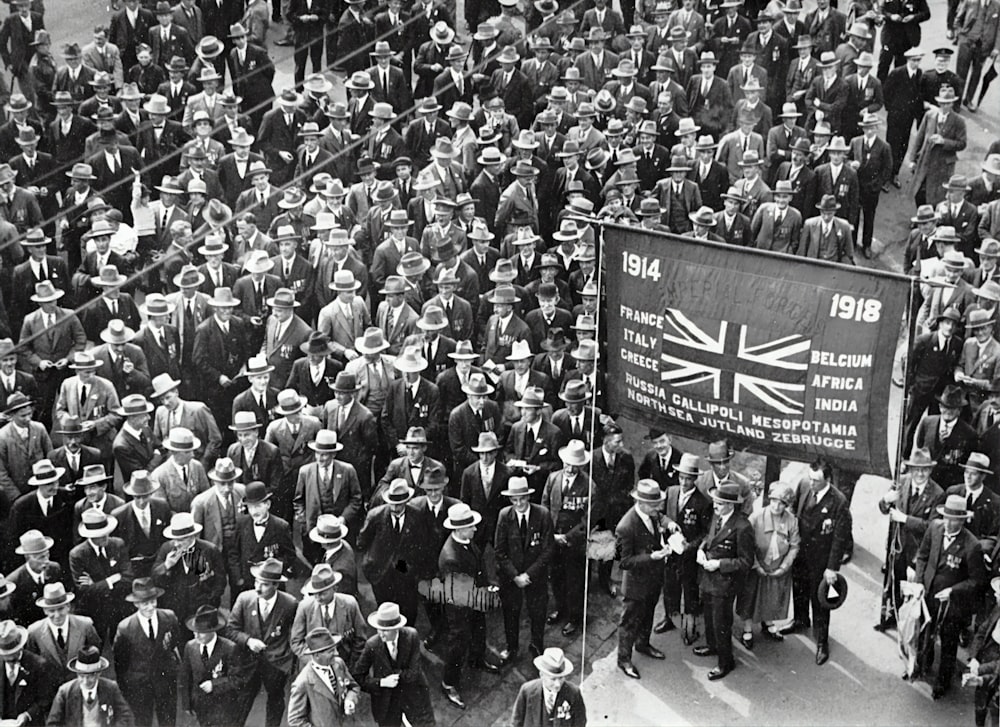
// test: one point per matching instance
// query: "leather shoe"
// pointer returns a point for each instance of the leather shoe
(772, 635)
(486, 666)
(664, 626)
(747, 640)
(651, 651)
(796, 626)
(552, 618)
(569, 628)
(629, 670)
(822, 654)
(717, 673)
(453, 696)
(883, 626)
(703, 651)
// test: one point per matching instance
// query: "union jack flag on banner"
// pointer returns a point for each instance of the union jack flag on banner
(725, 361)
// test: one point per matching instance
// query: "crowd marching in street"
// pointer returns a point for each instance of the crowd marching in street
(296, 391)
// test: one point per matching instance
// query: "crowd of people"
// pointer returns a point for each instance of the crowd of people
(256, 337)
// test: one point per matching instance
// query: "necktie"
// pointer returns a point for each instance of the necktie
(90, 699)
(150, 632)
(779, 217)
(83, 397)
(265, 610)
(204, 655)
(397, 523)
(61, 639)
(143, 518)
(969, 501)
(529, 441)
(184, 472)
(390, 320)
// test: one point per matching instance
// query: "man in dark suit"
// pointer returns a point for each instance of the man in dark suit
(255, 458)
(453, 83)
(126, 34)
(90, 691)
(983, 504)
(639, 542)
(114, 168)
(411, 401)
(158, 339)
(510, 84)
(725, 556)
(904, 106)
(72, 456)
(141, 522)
(824, 531)
(313, 375)
(261, 622)
(660, 462)
(216, 659)
(524, 544)
(252, 73)
(482, 484)
(532, 705)
(803, 178)
(26, 514)
(101, 570)
(951, 570)
(910, 506)
(389, 668)
(261, 535)
(709, 99)
(871, 158)
(949, 439)
(391, 543)
(145, 654)
(220, 351)
(189, 569)
(277, 135)
(29, 683)
(167, 39)
(421, 133)
(533, 443)
(390, 81)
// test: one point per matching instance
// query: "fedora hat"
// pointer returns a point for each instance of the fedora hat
(411, 360)
(117, 332)
(434, 477)
(957, 182)
(387, 617)
(463, 352)
(338, 238)
(96, 523)
(181, 439)
(953, 397)
(553, 662)
(205, 620)
(320, 638)
(35, 238)
(283, 298)
(832, 597)
(648, 491)
(373, 341)
(688, 465)
(218, 213)
(584, 322)
(32, 542)
(574, 453)
(951, 313)
(326, 441)
(925, 213)
(88, 660)
(43, 472)
(441, 34)
(72, 426)
(398, 218)
(433, 318)
(143, 589)
(182, 525)
(140, 485)
(989, 246)
(93, 474)
(244, 421)
(532, 398)
(575, 391)
(585, 351)
(344, 281)
(952, 258)
(828, 203)
(322, 578)
(54, 595)
(12, 637)
(189, 277)
(503, 294)
(555, 340)
(382, 110)
(979, 462)
(719, 453)
(46, 292)
(460, 515)
(257, 261)
(223, 298)
(317, 343)
(289, 402)
(955, 506)
(920, 458)
(162, 383)
(979, 318)
(488, 442)
(726, 492)
(517, 487)
(224, 471)
(271, 569)
(240, 137)
(214, 244)
(293, 197)
(520, 351)
(398, 492)
(992, 164)
(329, 529)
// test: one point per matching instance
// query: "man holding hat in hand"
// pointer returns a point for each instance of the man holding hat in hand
(952, 576)
(261, 621)
(640, 543)
(145, 651)
(390, 669)
(90, 698)
(550, 699)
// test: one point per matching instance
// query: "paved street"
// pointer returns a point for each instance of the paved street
(776, 684)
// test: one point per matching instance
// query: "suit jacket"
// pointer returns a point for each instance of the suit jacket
(593, 74)
(835, 247)
(161, 359)
(919, 511)
(80, 632)
(985, 520)
(402, 410)
(345, 494)
(282, 352)
(300, 379)
(227, 668)
(733, 546)
(172, 489)
(730, 152)
(217, 354)
(312, 703)
(412, 694)
(233, 183)
(141, 663)
(104, 601)
(178, 43)
(197, 417)
(963, 569)
(346, 621)
(253, 79)
(824, 529)
(530, 554)
(33, 693)
(293, 447)
(17, 455)
(714, 110)
(464, 429)
(142, 548)
(950, 453)
(474, 494)
(266, 464)
(207, 511)
(136, 382)
(386, 552)
(245, 623)
(785, 238)
(68, 708)
(651, 468)
(276, 542)
(342, 331)
(641, 575)
(102, 401)
(529, 706)
(126, 36)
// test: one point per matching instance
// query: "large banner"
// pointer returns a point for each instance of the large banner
(782, 355)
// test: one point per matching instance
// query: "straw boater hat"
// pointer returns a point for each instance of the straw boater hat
(387, 617)
(325, 441)
(96, 523)
(398, 492)
(43, 472)
(329, 529)
(182, 525)
(517, 487)
(181, 439)
(460, 515)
